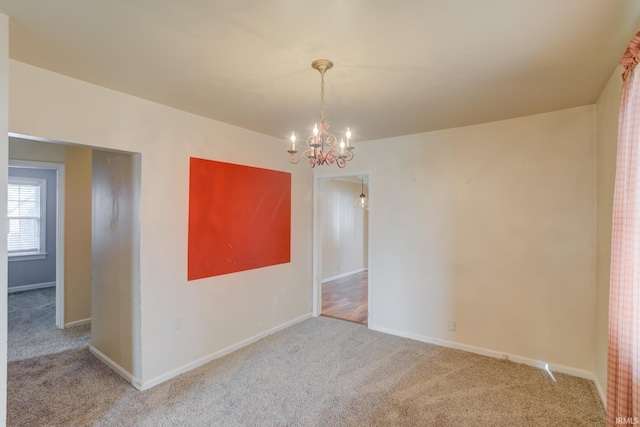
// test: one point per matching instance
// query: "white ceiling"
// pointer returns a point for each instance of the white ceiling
(401, 67)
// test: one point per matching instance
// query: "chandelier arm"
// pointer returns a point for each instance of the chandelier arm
(337, 153)
(330, 139)
(334, 157)
(348, 156)
(295, 159)
(311, 143)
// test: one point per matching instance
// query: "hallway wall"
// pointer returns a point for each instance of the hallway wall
(343, 229)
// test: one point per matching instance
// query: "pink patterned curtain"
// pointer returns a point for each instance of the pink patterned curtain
(623, 373)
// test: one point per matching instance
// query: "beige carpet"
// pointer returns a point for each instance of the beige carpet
(322, 372)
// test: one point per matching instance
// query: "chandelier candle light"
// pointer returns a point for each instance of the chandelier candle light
(323, 147)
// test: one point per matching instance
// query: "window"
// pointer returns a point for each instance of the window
(26, 216)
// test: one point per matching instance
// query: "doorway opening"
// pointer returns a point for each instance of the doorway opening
(341, 248)
(35, 305)
(36, 230)
(95, 267)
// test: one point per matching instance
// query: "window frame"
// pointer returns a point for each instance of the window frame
(42, 253)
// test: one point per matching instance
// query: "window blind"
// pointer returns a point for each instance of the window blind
(23, 212)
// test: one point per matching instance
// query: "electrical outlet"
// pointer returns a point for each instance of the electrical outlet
(452, 326)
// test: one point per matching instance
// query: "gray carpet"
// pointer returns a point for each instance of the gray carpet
(321, 372)
(32, 328)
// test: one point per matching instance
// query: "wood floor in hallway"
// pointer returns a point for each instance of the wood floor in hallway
(347, 298)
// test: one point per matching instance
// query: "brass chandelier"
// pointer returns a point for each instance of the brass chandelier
(322, 147)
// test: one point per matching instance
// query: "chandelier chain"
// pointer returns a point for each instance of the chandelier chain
(322, 96)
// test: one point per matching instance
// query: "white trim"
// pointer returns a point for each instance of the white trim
(23, 288)
(77, 322)
(136, 306)
(199, 362)
(33, 164)
(316, 252)
(24, 256)
(36, 138)
(340, 276)
(601, 391)
(113, 365)
(486, 352)
(60, 186)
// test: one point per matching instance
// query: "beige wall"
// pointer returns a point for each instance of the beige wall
(182, 322)
(77, 244)
(491, 226)
(607, 110)
(343, 228)
(77, 215)
(112, 234)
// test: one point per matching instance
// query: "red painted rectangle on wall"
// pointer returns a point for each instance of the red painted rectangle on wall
(239, 218)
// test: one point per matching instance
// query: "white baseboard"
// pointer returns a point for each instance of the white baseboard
(491, 353)
(113, 365)
(340, 276)
(199, 362)
(601, 391)
(23, 288)
(77, 322)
